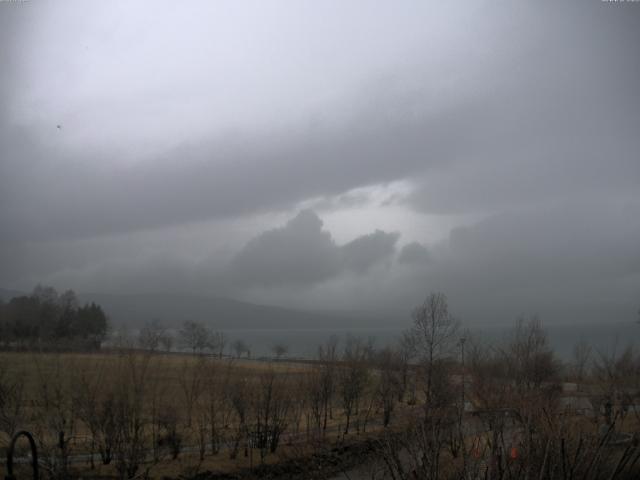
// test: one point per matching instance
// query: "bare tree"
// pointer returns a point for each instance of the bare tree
(433, 336)
(299, 403)
(166, 341)
(95, 410)
(240, 347)
(215, 407)
(279, 350)
(12, 402)
(151, 334)
(170, 435)
(270, 403)
(192, 383)
(581, 356)
(389, 386)
(529, 356)
(515, 390)
(155, 403)
(195, 336)
(238, 396)
(352, 377)
(218, 341)
(618, 377)
(56, 419)
(130, 396)
(315, 393)
(406, 352)
(327, 357)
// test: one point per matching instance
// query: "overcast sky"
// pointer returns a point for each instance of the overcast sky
(326, 155)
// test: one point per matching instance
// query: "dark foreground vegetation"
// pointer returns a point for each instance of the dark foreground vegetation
(438, 405)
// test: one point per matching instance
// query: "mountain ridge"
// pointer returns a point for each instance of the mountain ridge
(172, 309)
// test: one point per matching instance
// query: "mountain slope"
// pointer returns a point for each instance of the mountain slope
(224, 313)
(7, 295)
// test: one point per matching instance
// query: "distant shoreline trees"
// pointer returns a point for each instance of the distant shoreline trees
(46, 319)
(198, 338)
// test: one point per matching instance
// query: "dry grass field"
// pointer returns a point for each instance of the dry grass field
(128, 413)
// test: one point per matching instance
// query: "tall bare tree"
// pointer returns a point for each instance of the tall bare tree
(192, 384)
(327, 358)
(270, 403)
(130, 397)
(389, 386)
(433, 336)
(352, 377)
(581, 356)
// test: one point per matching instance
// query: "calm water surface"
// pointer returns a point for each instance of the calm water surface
(304, 343)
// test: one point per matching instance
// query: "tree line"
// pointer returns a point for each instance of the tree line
(46, 318)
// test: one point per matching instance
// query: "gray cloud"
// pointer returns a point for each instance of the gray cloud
(365, 251)
(301, 253)
(570, 264)
(524, 115)
(556, 125)
(413, 253)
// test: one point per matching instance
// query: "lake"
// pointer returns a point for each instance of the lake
(304, 342)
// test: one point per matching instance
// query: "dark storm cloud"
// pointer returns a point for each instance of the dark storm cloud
(365, 251)
(209, 181)
(554, 118)
(302, 253)
(528, 116)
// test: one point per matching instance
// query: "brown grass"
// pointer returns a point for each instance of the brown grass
(162, 375)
